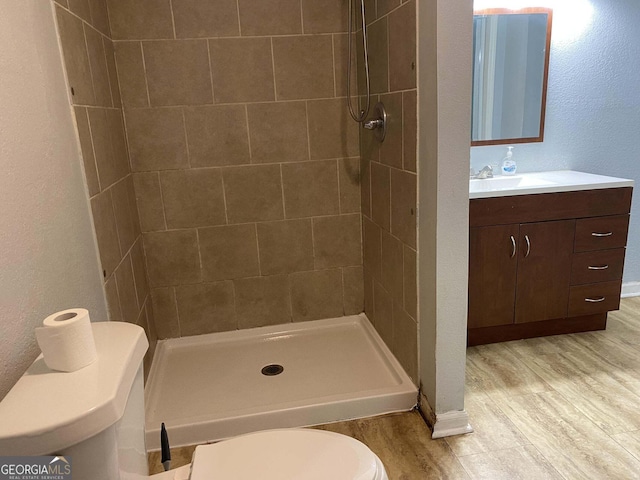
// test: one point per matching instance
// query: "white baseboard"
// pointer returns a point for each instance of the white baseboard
(630, 289)
(451, 423)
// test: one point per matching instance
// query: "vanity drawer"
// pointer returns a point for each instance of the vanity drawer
(597, 266)
(601, 233)
(594, 298)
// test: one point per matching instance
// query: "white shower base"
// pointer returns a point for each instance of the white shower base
(210, 387)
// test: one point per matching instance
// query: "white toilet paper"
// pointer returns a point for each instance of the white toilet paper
(66, 340)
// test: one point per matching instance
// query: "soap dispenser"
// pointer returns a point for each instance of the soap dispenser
(508, 164)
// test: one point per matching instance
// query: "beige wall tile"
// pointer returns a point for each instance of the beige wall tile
(378, 56)
(365, 187)
(368, 295)
(349, 178)
(107, 131)
(99, 69)
(88, 158)
(310, 189)
(340, 56)
(391, 148)
(114, 83)
(178, 72)
(133, 84)
(337, 241)
(392, 266)
(278, 132)
(76, 58)
(372, 247)
(126, 213)
(193, 198)
(324, 16)
(229, 252)
(332, 132)
(156, 139)
(106, 233)
(403, 206)
(263, 301)
(385, 6)
(405, 341)
(285, 246)
(316, 295)
(210, 18)
(149, 200)
(172, 257)
(242, 69)
(81, 8)
(139, 271)
(127, 291)
(100, 16)
(140, 19)
(353, 290)
(370, 12)
(113, 301)
(409, 130)
(303, 67)
(380, 195)
(402, 47)
(163, 301)
(253, 193)
(270, 17)
(217, 135)
(383, 306)
(206, 308)
(410, 282)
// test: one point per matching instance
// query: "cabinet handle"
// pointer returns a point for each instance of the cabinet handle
(598, 267)
(596, 234)
(526, 238)
(594, 300)
(513, 246)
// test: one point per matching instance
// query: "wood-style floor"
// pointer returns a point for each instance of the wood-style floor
(561, 407)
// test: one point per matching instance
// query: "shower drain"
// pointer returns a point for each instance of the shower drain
(271, 370)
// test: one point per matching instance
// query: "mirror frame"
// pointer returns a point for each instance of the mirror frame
(506, 11)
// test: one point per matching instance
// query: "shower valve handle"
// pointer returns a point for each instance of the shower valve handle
(373, 124)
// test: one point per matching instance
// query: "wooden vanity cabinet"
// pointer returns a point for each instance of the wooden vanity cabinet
(545, 264)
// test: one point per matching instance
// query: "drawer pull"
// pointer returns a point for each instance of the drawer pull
(598, 267)
(596, 234)
(526, 237)
(513, 246)
(594, 300)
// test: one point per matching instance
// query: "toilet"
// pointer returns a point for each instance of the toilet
(95, 417)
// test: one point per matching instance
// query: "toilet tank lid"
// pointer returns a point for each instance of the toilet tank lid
(47, 410)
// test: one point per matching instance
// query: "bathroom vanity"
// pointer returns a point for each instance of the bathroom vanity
(546, 253)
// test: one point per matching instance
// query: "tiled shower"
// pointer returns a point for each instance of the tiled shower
(230, 189)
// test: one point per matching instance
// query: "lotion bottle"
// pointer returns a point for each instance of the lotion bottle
(508, 164)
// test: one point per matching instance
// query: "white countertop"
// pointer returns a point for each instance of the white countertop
(542, 182)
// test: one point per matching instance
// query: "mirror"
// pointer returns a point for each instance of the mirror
(510, 70)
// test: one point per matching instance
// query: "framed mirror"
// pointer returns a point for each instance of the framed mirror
(510, 72)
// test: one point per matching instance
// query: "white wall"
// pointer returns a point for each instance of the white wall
(593, 102)
(48, 255)
(444, 112)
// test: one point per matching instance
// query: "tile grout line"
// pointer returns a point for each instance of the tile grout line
(213, 93)
(175, 298)
(93, 149)
(186, 137)
(246, 119)
(164, 213)
(333, 67)
(273, 67)
(238, 13)
(173, 20)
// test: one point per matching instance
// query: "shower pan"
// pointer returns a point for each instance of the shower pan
(210, 387)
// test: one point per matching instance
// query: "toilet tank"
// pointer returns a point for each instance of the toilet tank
(94, 415)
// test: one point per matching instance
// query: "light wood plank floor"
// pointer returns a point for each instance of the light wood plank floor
(565, 406)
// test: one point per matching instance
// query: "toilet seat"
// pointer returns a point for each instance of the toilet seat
(287, 454)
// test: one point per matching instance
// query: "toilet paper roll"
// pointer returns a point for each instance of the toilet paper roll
(66, 340)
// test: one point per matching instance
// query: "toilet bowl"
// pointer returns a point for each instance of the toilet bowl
(95, 416)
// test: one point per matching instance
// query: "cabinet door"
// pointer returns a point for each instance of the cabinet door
(493, 262)
(544, 270)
